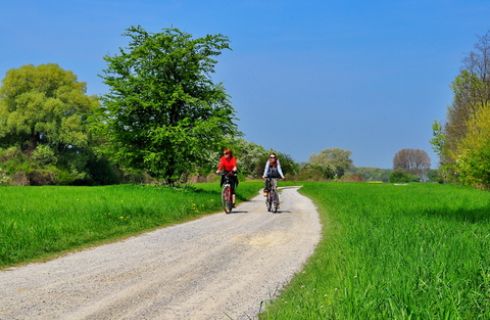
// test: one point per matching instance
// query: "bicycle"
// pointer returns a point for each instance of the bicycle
(272, 200)
(227, 192)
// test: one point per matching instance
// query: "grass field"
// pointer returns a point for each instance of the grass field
(420, 251)
(36, 222)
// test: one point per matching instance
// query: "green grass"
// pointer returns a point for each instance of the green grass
(420, 251)
(36, 222)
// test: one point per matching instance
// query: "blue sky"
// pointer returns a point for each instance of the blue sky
(367, 76)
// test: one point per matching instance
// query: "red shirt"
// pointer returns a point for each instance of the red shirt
(226, 163)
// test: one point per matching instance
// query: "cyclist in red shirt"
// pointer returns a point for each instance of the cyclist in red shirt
(228, 165)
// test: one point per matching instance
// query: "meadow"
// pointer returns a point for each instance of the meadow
(420, 251)
(39, 222)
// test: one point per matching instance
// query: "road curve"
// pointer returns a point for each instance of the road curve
(217, 267)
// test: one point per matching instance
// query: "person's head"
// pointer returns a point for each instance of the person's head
(227, 153)
(272, 158)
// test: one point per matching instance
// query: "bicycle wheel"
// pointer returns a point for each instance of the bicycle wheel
(276, 201)
(226, 198)
(268, 202)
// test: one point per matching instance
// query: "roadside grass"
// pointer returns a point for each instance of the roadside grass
(420, 251)
(38, 222)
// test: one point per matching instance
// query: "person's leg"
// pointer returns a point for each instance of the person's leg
(233, 190)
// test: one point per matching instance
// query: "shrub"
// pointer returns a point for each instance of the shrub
(19, 178)
(399, 176)
(4, 177)
(44, 155)
(314, 172)
(42, 177)
(9, 154)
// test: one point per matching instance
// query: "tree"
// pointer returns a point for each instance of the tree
(44, 105)
(470, 93)
(250, 157)
(414, 161)
(471, 90)
(335, 159)
(164, 113)
(473, 162)
(44, 120)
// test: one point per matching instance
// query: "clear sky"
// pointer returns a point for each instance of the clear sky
(367, 76)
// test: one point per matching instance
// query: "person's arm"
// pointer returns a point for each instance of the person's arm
(235, 162)
(266, 169)
(279, 169)
(220, 165)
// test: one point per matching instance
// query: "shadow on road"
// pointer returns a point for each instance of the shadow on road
(238, 211)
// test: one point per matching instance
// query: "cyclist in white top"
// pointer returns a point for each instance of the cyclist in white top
(272, 170)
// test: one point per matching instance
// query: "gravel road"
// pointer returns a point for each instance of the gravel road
(217, 267)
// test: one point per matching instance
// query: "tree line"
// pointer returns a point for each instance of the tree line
(463, 141)
(163, 120)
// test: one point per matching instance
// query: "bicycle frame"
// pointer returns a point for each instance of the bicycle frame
(227, 193)
(272, 200)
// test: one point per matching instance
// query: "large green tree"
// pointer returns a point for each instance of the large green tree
(164, 112)
(44, 120)
(44, 104)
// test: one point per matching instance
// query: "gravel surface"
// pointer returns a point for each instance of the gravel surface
(218, 267)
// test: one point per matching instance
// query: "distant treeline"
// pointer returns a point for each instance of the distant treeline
(163, 120)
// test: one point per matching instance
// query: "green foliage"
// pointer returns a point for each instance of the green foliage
(44, 155)
(334, 159)
(435, 175)
(4, 178)
(251, 157)
(314, 172)
(44, 105)
(420, 251)
(164, 114)
(400, 176)
(471, 92)
(473, 162)
(32, 227)
(45, 119)
(372, 174)
(438, 138)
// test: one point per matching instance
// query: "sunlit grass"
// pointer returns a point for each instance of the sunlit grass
(40, 221)
(420, 251)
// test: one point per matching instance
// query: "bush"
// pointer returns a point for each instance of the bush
(19, 178)
(312, 172)
(44, 155)
(102, 172)
(399, 176)
(4, 177)
(42, 177)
